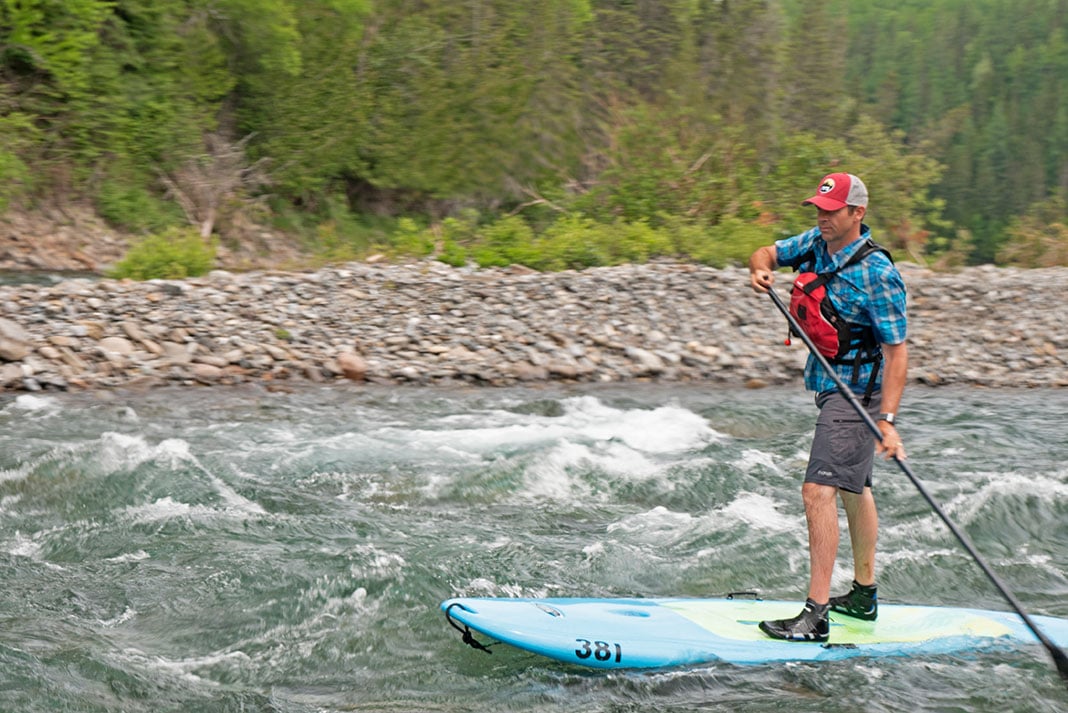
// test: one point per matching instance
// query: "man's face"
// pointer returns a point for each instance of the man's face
(836, 225)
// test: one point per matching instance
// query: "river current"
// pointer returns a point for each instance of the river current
(244, 550)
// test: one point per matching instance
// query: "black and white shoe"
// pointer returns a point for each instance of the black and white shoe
(810, 625)
(862, 602)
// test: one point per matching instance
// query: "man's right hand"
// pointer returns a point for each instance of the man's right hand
(761, 280)
(762, 269)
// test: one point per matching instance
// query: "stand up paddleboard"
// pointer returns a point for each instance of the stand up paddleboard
(645, 633)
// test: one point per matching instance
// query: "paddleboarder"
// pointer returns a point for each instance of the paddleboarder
(850, 300)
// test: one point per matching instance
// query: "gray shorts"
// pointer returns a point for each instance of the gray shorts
(844, 447)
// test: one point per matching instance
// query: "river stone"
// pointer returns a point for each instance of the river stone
(117, 345)
(14, 341)
(430, 323)
(352, 366)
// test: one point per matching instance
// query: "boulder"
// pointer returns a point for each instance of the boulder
(14, 341)
(352, 366)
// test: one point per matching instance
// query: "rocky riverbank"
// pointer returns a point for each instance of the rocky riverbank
(429, 323)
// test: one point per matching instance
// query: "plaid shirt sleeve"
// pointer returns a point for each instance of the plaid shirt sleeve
(886, 305)
(789, 251)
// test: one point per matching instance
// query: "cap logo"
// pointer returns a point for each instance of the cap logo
(827, 186)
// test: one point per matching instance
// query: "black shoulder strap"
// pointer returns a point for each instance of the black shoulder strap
(869, 247)
(823, 278)
(806, 257)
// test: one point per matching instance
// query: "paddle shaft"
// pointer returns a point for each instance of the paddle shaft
(1059, 657)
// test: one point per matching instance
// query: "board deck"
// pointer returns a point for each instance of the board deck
(644, 633)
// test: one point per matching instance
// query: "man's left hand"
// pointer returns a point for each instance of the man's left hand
(890, 446)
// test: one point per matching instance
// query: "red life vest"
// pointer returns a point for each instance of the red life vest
(832, 335)
(817, 316)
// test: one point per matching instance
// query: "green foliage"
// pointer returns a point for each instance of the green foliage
(508, 241)
(173, 254)
(572, 242)
(731, 242)
(14, 176)
(1039, 238)
(335, 234)
(129, 205)
(17, 134)
(581, 132)
(979, 84)
(898, 181)
(53, 40)
(409, 238)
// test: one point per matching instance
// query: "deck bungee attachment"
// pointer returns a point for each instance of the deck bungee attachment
(466, 635)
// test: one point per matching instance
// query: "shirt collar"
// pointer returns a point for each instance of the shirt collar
(842, 256)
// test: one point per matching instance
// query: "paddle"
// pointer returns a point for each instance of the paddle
(1059, 657)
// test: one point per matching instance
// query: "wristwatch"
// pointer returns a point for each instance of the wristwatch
(888, 417)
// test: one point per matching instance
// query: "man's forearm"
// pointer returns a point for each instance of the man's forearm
(896, 365)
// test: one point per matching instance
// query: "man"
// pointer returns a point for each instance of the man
(870, 295)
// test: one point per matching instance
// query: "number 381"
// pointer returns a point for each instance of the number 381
(600, 650)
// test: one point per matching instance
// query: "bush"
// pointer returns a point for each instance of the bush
(572, 242)
(1039, 238)
(732, 242)
(130, 207)
(173, 254)
(409, 238)
(508, 241)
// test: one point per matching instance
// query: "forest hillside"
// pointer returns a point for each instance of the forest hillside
(557, 134)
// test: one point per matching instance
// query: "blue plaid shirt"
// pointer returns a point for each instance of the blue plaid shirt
(870, 292)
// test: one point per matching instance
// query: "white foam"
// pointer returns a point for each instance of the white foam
(182, 668)
(138, 556)
(25, 547)
(126, 615)
(655, 526)
(965, 507)
(593, 551)
(666, 429)
(29, 402)
(482, 587)
(120, 451)
(379, 563)
(756, 511)
(752, 459)
(661, 525)
(552, 476)
(235, 501)
(20, 473)
(1007, 485)
(164, 509)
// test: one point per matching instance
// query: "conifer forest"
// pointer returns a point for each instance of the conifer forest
(557, 133)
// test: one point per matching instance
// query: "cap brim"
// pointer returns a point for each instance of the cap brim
(825, 203)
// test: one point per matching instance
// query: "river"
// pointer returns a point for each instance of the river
(234, 549)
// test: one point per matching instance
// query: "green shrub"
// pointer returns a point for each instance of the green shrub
(409, 238)
(132, 207)
(508, 241)
(1039, 238)
(452, 253)
(573, 241)
(173, 254)
(333, 233)
(732, 241)
(17, 135)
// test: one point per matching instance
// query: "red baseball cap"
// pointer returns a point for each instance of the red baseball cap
(837, 190)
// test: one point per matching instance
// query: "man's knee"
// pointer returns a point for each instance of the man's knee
(817, 495)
